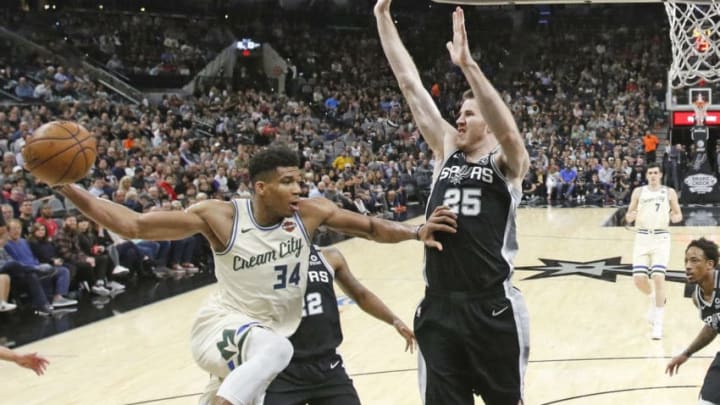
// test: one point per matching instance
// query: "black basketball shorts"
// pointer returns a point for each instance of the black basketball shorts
(321, 381)
(472, 344)
(710, 390)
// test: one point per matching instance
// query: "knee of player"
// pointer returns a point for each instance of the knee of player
(276, 351)
(282, 353)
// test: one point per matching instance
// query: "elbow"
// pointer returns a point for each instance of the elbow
(130, 229)
(361, 298)
(407, 82)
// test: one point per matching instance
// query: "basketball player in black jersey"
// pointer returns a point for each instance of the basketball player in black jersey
(701, 258)
(472, 325)
(316, 375)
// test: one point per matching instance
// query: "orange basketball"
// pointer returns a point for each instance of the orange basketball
(60, 152)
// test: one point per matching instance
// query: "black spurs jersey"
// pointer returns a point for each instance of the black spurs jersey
(710, 311)
(479, 255)
(319, 332)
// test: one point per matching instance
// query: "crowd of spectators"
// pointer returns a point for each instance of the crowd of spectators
(127, 43)
(583, 98)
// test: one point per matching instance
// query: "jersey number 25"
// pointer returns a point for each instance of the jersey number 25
(464, 201)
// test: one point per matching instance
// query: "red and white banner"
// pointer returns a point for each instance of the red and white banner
(687, 118)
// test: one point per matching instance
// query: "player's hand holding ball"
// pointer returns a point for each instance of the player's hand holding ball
(60, 152)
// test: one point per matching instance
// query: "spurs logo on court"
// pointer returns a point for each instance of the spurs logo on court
(601, 269)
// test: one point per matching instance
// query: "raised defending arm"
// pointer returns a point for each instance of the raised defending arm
(425, 113)
(498, 116)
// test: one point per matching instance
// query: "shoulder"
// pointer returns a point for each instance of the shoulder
(315, 211)
(331, 254)
(208, 207)
(311, 208)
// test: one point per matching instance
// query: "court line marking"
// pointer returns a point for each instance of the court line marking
(405, 370)
(594, 394)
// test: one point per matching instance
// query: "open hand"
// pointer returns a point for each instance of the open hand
(33, 362)
(674, 366)
(441, 220)
(406, 333)
(458, 48)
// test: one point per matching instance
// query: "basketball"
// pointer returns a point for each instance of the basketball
(60, 152)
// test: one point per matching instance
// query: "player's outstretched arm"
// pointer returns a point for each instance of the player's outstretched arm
(30, 360)
(158, 225)
(497, 115)
(675, 211)
(706, 335)
(432, 126)
(320, 211)
(366, 299)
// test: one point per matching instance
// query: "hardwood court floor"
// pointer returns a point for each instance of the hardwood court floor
(590, 340)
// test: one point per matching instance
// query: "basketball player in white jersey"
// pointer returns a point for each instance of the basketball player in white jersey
(262, 249)
(652, 208)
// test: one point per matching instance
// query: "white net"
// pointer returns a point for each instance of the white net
(695, 37)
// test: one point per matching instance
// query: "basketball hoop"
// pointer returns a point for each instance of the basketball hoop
(695, 38)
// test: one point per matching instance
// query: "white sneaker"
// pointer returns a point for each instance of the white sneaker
(6, 306)
(115, 286)
(63, 302)
(100, 290)
(120, 270)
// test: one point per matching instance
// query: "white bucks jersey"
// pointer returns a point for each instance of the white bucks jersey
(653, 209)
(263, 271)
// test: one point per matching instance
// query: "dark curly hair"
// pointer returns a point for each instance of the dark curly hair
(709, 248)
(264, 162)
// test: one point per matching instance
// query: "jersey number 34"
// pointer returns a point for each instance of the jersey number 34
(283, 279)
